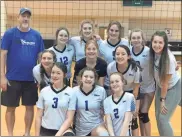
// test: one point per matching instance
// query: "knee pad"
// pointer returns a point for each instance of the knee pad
(104, 133)
(144, 117)
(134, 124)
(69, 134)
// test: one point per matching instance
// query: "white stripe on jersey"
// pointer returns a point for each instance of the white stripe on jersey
(172, 70)
(79, 46)
(143, 58)
(131, 76)
(36, 74)
(66, 56)
(117, 110)
(55, 105)
(89, 109)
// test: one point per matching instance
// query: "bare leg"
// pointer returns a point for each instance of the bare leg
(135, 132)
(145, 106)
(10, 119)
(142, 127)
(29, 115)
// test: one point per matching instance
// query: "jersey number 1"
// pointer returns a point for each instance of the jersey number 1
(86, 105)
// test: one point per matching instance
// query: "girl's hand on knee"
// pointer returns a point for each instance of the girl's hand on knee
(163, 108)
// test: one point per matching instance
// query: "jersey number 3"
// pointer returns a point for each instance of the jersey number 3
(55, 105)
(116, 113)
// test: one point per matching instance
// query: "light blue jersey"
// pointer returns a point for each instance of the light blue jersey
(65, 56)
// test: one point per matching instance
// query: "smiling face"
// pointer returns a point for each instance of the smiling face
(113, 32)
(24, 20)
(116, 83)
(57, 75)
(158, 44)
(121, 56)
(91, 51)
(136, 39)
(62, 37)
(47, 60)
(88, 78)
(87, 30)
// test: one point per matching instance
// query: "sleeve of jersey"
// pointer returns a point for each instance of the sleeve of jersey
(131, 106)
(6, 40)
(106, 107)
(108, 70)
(77, 68)
(40, 102)
(36, 75)
(41, 44)
(172, 64)
(138, 77)
(72, 102)
(103, 97)
(104, 69)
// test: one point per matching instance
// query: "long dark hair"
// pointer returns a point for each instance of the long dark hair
(63, 67)
(164, 59)
(42, 70)
(134, 64)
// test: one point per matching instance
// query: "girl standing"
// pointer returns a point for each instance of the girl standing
(131, 72)
(86, 33)
(168, 93)
(64, 51)
(141, 54)
(108, 46)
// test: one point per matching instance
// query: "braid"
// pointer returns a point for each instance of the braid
(134, 64)
(42, 82)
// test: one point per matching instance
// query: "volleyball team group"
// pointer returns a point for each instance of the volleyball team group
(114, 81)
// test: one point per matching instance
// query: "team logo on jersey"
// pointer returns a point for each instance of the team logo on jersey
(67, 94)
(124, 101)
(96, 95)
(69, 50)
(144, 55)
(131, 74)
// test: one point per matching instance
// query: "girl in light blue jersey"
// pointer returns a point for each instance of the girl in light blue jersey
(86, 33)
(63, 50)
(42, 71)
(168, 93)
(118, 108)
(56, 105)
(141, 54)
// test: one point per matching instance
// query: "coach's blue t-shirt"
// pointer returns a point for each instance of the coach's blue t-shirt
(23, 49)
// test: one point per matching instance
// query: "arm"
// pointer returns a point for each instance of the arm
(4, 80)
(67, 123)
(135, 93)
(126, 123)
(101, 81)
(109, 124)
(38, 121)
